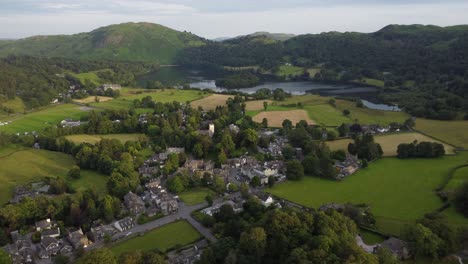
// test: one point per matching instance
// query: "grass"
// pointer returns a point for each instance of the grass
(211, 102)
(313, 71)
(326, 114)
(452, 132)
(195, 196)
(38, 120)
(390, 142)
(459, 177)
(276, 118)
(371, 116)
(370, 238)
(286, 71)
(91, 76)
(90, 179)
(398, 191)
(163, 238)
(92, 139)
(125, 101)
(23, 165)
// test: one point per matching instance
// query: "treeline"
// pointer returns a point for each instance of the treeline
(420, 150)
(40, 80)
(241, 80)
(270, 235)
(423, 68)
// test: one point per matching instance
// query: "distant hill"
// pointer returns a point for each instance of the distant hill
(123, 42)
(275, 36)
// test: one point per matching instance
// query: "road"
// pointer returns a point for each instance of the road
(184, 213)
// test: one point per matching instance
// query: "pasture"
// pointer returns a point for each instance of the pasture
(92, 99)
(286, 71)
(211, 102)
(452, 132)
(257, 105)
(390, 142)
(125, 101)
(195, 196)
(398, 191)
(91, 76)
(370, 116)
(326, 115)
(179, 233)
(23, 165)
(42, 118)
(460, 176)
(276, 118)
(92, 139)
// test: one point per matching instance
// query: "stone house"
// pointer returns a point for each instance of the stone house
(124, 224)
(78, 239)
(134, 203)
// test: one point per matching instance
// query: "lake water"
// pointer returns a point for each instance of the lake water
(178, 77)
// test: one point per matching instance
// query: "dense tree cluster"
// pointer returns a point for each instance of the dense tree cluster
(461, 198)
(365, 147)
(260, 235)
(420, 150)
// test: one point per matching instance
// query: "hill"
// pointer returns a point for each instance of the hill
(123, 42)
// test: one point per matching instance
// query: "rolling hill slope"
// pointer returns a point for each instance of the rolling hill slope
(124, 42)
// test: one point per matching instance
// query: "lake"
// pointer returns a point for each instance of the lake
(177, 77)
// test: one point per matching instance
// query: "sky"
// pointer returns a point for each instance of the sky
(225, 18)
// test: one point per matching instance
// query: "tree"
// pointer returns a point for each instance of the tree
(5, 257)
(343, 129)
(294, 170)
(461, 199)
(265, 105)
(255, 182)
(3, 238)
(422, 241)
(287, 125)
(253, 242)
(265, 122)
(271, 181)
(198, 151)
(386, 256)
(219, 185)
(61, 259)
(101, 256)
(244, 190)
(209, 199)
(36, 237)
(74, 172)
(175, 185)
(346, 112)
(311, 165)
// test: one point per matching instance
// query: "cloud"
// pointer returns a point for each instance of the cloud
(60, 6)
(195, 16)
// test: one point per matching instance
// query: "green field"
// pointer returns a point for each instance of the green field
(38, 120)
(390, 142)
(459, 177)
(370, 238)
(163, 238)
(452, 132)
(92, 139)
(23, 165)
(286, 71)
(371, 116)
(398, 191)
(195, 196)
(91, 76)
(90, 180)
(326, 114)
(125, 101)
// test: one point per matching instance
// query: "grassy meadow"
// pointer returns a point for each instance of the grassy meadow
(195, 196)
(24, 165)
(42, 118)
(276, 118)
(398, 191)
(17, 105)
(92, 139)
(390, 142)
(452, 132)
(459, 177)
(91, 76)
(125, 101)
(179, 233)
